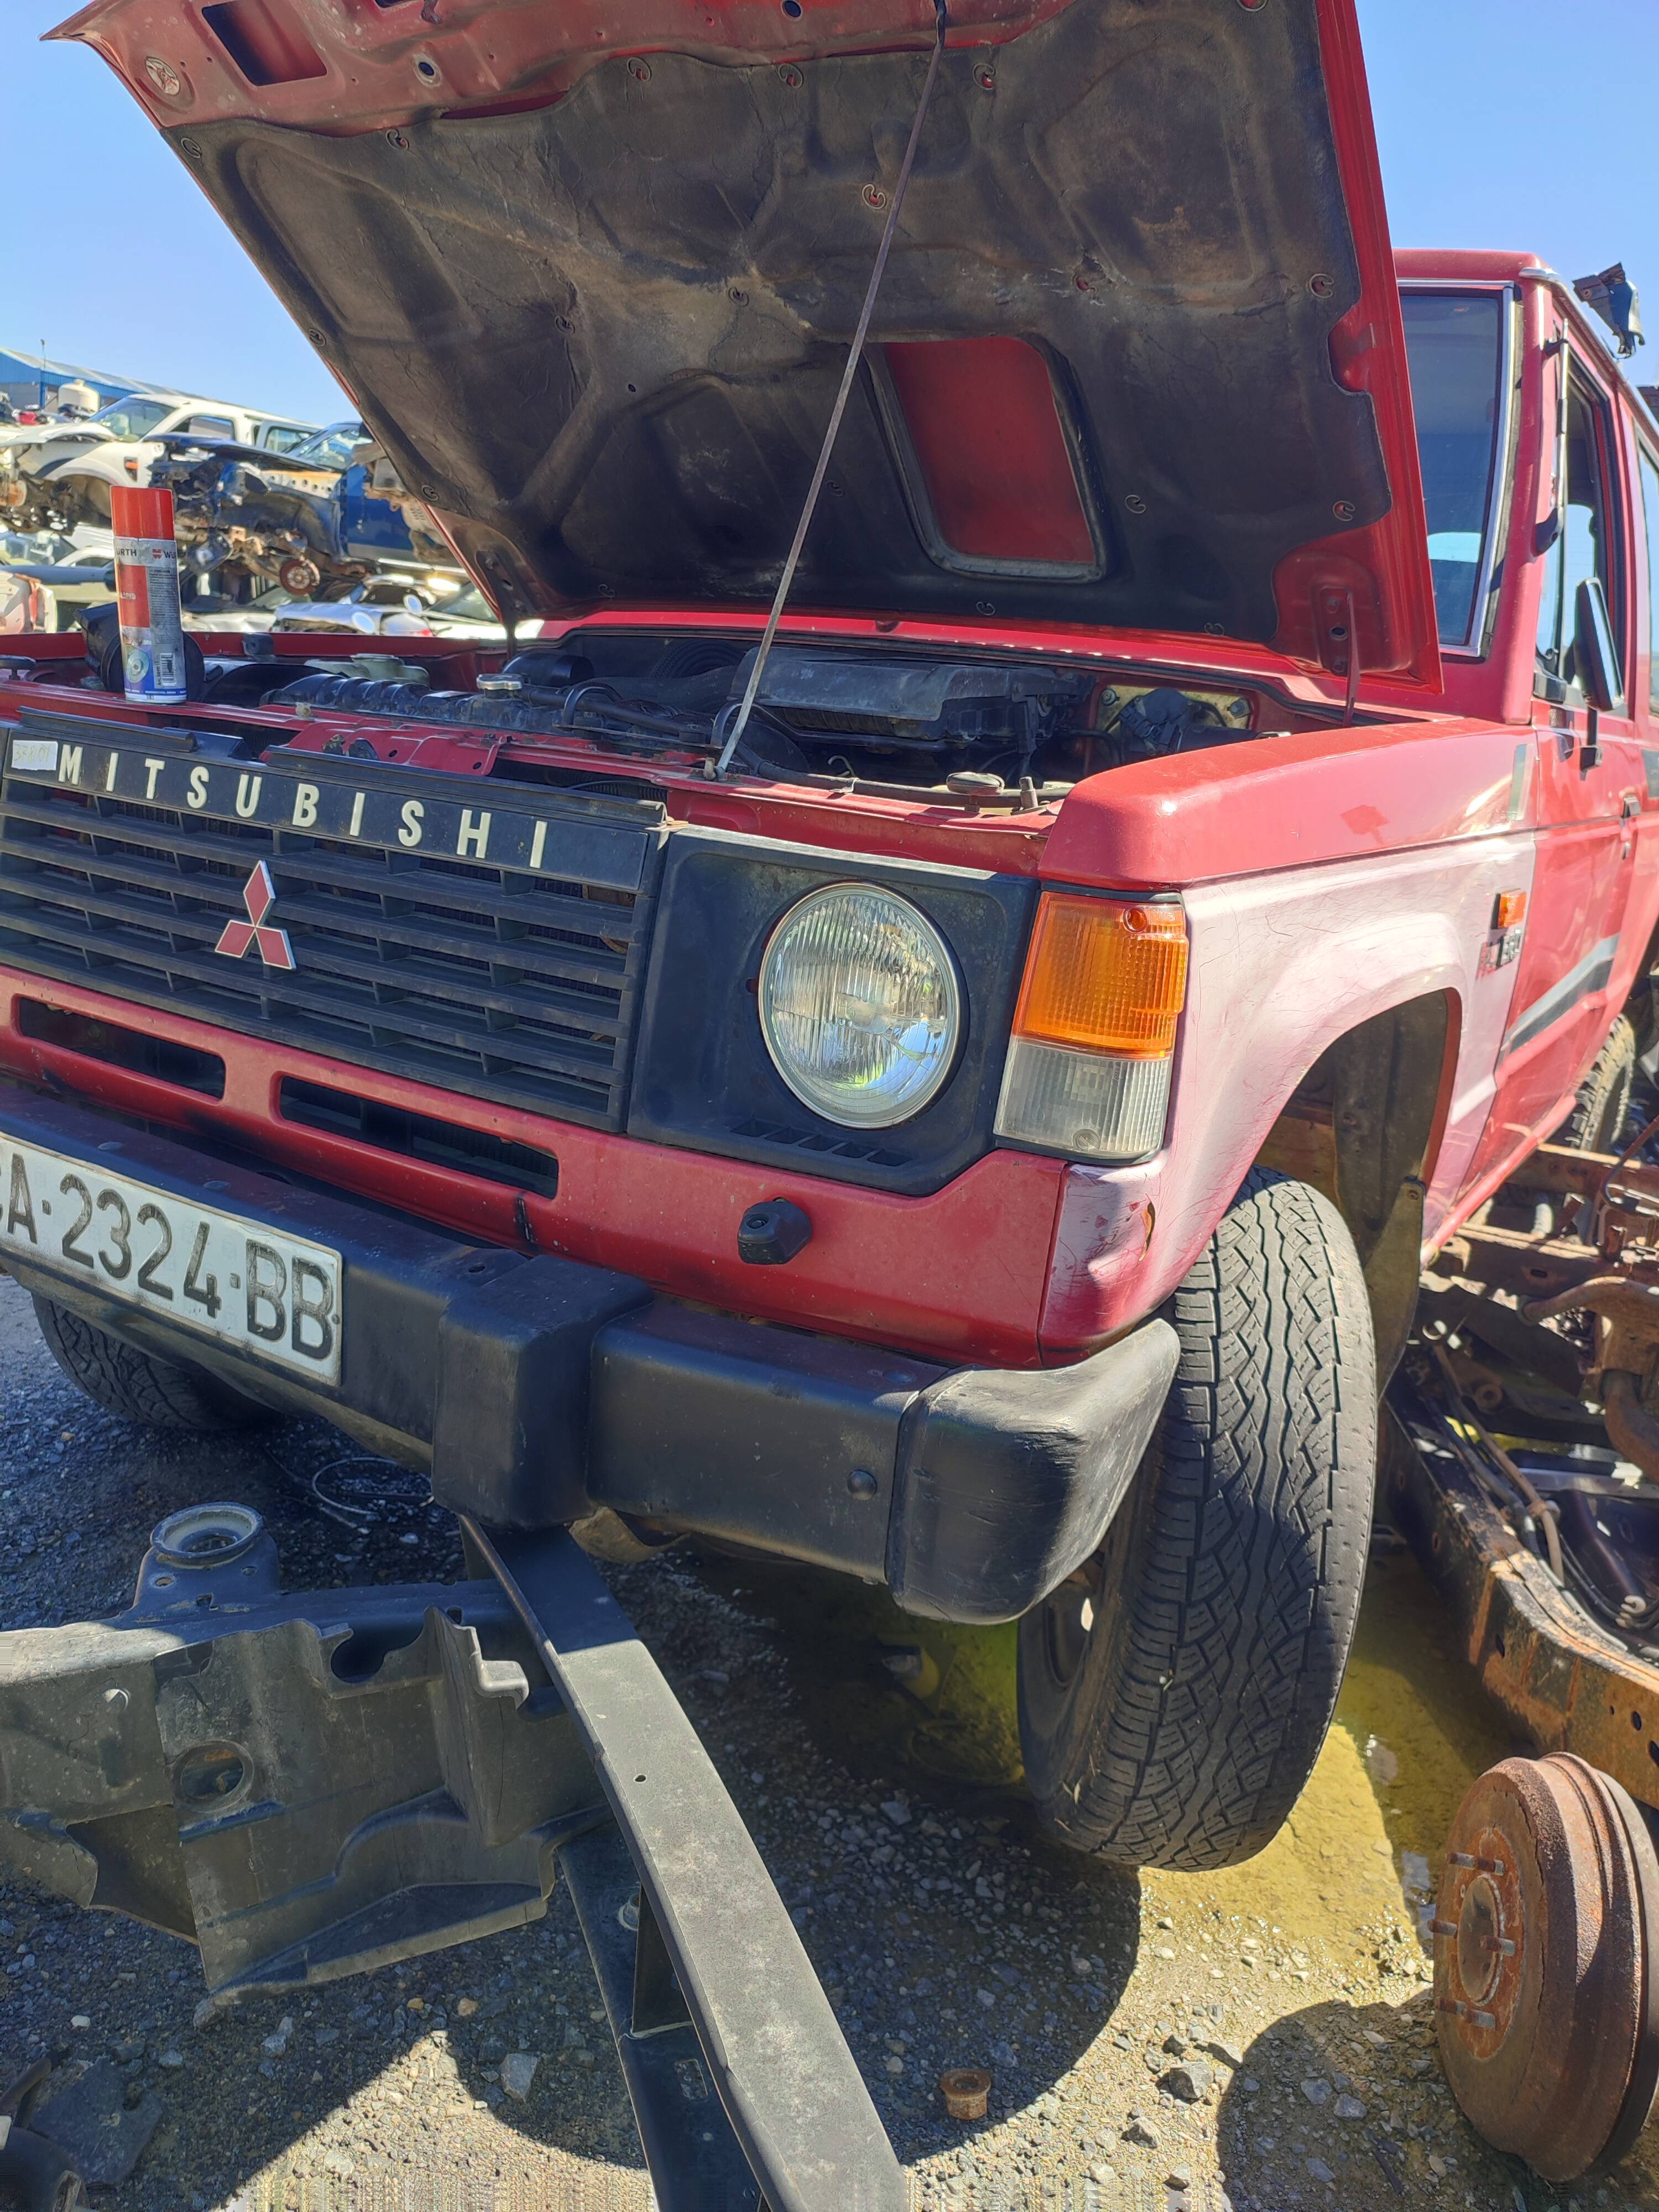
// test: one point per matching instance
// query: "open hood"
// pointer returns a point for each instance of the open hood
(591, 272)
(53, 433)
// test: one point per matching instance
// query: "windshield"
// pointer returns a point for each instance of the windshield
(1454, 344)
(329, 448)
(131, 418)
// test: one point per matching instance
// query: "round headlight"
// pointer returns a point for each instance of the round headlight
(860, 1005)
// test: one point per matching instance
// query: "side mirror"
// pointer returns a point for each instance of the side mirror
(1595, 657)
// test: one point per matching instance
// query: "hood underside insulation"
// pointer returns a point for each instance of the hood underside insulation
(602, 336)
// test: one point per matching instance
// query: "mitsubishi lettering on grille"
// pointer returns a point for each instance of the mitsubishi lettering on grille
(258, 896)
(421, 871)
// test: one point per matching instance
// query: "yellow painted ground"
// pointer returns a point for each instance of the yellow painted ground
(1336, 1897)
(1412, 1730)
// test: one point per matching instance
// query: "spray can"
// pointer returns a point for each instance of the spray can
(147, 591)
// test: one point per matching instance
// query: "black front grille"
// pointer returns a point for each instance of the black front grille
(509, 987)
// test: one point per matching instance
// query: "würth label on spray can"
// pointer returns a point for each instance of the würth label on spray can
(147, 589)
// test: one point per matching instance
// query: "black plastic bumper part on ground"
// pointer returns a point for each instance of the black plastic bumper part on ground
(315, 1784)
(534, 1389)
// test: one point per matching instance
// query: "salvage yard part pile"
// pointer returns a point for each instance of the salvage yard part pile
(1537, 1356)
(1522, 1464)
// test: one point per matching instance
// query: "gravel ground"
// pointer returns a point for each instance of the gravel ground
(1262, 2038)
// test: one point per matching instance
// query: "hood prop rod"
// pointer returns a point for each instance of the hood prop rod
(751, 689)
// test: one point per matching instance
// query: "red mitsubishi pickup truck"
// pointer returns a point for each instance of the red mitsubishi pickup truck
(958, 1090)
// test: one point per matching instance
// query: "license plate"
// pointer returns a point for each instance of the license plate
(236, 1281)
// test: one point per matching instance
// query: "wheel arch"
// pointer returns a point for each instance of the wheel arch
(1370, 971)
(1363, 1125)
(83, 493)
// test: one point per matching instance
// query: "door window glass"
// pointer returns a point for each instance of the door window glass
(210, 426)
(1584, 544)
(1650, 511)
(278, 438)
(1455, 346)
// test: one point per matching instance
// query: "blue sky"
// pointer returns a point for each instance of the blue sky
(1514, 123)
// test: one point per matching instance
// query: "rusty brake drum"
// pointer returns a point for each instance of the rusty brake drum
(1547, 1963)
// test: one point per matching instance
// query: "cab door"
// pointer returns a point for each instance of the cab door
(1588, 787)
(370, 529)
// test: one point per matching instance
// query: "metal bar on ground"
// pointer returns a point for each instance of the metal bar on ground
(691, 2154)
(772, 2044)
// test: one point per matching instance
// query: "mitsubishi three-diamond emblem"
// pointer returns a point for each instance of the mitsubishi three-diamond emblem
(258, 896)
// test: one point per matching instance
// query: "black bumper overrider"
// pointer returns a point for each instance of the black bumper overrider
(535, 1388)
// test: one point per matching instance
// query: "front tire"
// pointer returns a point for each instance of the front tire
(153, 1392)
(1174, 1694)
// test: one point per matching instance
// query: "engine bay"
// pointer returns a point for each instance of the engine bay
(895, 717)
(986, 729)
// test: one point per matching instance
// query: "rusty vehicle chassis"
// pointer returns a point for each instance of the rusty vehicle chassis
(1606, 1269)
(1520, 1461)
(1566, 1683)
(1548, 1333)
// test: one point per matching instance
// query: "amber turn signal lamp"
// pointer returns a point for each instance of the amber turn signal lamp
(1509, 909)
(1105, 976)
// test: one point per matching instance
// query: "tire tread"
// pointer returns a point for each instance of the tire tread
(131, 1383)
(1243, 1613)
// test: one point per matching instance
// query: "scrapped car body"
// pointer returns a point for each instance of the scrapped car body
(82, 567)
(388, 606)
(59, 475)
(315, 520)
(26, 604)
(244, 520)
(953, 1084)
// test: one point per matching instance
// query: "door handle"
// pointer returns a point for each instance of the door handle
(1628, 803)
